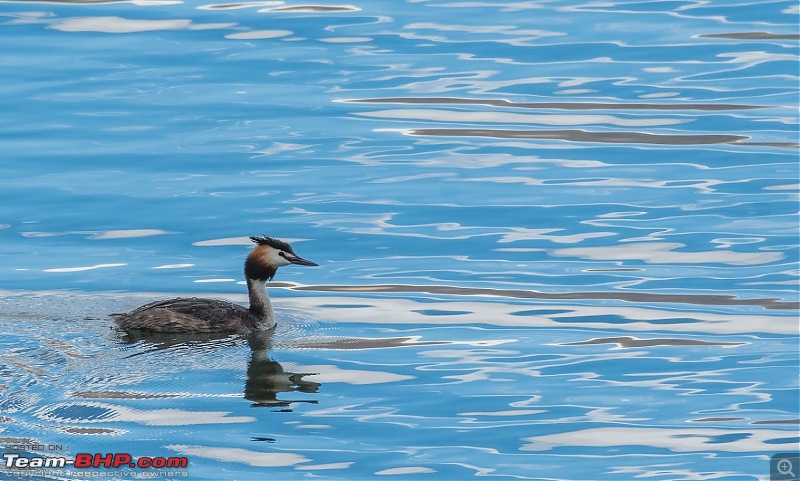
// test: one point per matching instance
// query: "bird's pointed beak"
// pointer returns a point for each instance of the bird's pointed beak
(300, 261)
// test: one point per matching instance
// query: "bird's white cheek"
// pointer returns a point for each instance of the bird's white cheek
(276, 260)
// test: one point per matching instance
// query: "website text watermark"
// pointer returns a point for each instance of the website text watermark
(37, 460)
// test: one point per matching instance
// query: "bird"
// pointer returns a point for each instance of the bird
(195, 315)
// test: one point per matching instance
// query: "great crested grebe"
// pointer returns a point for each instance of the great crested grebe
(209, 315)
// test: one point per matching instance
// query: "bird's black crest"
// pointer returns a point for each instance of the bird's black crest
(272, 242)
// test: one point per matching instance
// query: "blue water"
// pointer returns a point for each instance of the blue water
(557, 240)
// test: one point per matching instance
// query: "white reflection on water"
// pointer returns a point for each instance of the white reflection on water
(128, 25)
(346, 39)
(676, 440)
(666, 253)
(407, 311)
(82, 268)
(507, 30)
(128, 233)
(94, 412)
(259, 34)
(783, 187)
(326, 373)
(461, 116)
(102, 235)
(522, 233)
(239, 455)
(405, 471)
(325, 467)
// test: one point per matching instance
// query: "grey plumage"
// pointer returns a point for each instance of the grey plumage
(189, 315)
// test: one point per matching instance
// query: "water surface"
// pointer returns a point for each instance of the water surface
(556, 240)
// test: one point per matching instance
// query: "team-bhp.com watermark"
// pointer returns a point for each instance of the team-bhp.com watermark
(23, 461)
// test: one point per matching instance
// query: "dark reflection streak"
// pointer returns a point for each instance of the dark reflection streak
(313, 8)
(556, 105)
(715, 420)
(368, 343)
(578, 135)
(751, 36)
(227, 6)
(706, 300)
(26, 441)
(602, 137)
(788, 145)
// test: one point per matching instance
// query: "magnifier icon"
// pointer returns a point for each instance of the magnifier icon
(785, 467)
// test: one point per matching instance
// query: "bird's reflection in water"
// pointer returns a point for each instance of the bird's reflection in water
(266, 378)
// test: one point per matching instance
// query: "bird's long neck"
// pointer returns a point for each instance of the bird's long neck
(260, 305)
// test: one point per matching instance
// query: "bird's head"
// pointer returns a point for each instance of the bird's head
(269, 254)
